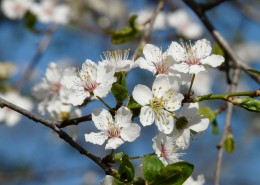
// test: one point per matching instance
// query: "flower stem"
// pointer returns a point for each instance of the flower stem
(192, 80)
(100, 99)
(141, 156)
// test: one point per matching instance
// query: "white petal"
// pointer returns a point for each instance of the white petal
(174, 102)
(96, 138)
(78, 97)
(189, 109)
(213, 60)
(152, 52)
(146, 116)
(101, 118)
(12, 119)
(192, 31)
(53, 73)
(104, 88)
(142, 94)
(113, 143)
(161, 85)
(183, 141)
(202, 48)
(199, 123)
(108, 180)
(146, 64)
(105, 72)
(177, 52)
(195, 69)
(123, 117)
(130, 133)
(182, 67)
(165, 122)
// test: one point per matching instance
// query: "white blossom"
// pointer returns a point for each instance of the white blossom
(108, 180)
(48, 11)
(166, 148)
(16, 9)
(189, 120)
(183, 23)
(155, 61)
(190, 181)
(54, 89)
(158, 103)
(7, 69)
(191, 58)
(119, 59)
(116, 131)
(93, 79)
(9, 116)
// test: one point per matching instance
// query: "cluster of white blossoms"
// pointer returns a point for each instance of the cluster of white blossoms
(162, 104)
(47, 11)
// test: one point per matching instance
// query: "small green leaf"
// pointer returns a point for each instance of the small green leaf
(118, 156)
(30, 21)
(126, 169)
(174, 174)
(152, 167)
(217, 49)
(215, 129)
(254, 71)
(126, 33)
(119, 89)
(229, 143)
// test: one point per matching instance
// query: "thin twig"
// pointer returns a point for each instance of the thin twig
(43, 44)
(213, 4)
(74, 121)
(63, 135)
(227, 126)
(220, 39)
(149, 30)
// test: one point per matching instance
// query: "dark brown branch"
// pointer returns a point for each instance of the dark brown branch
(213, 4)
(74, 121)
(149, 30)
(220, 39)
(63, 135)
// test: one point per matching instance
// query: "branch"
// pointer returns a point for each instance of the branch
(74, 121)
(63, 135)
(211, 5)
(149, 30)
(220, 39)
(44, 43)
(227, 126)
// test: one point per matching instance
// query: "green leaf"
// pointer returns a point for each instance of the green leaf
(118, 156)
(254, 71)
(217, 49)
(126, 169)
(126, 33)
(30, 21)
(229, 143)
(174, 174)
(119, 89)
(249, 103)
(210, 114)
(152, 167)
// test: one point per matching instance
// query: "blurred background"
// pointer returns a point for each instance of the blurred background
(32, 154)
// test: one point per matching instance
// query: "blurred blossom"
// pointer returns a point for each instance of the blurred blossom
(184, 24)
(145, 15)
(16, 9)
(9, 116)
(7, 69)
(248, 52)
(108, 180)
(190, 181)
(203, 83)
(48, 11)
(90, 178)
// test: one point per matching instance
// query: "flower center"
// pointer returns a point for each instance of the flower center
(163, 66)
(113, 131)
(116, 56)
(56, 87)
(89, 83)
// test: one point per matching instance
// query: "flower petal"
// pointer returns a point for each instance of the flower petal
(104, 88)
(189, 109)
(182, 67)
(213, 60)
(142, 94)
(146, 64)
(113, 143)
(152, 52)
(101, 118)
(161, 85)
(130, 133)
(178, 52)
(195, 69)
(202, 48)
(89, 68)
(96, 138)
(105, 72)
(174, 102)
(183, 141)
(123, 117)
(199, 123)
(165, 122)
(146, 116)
